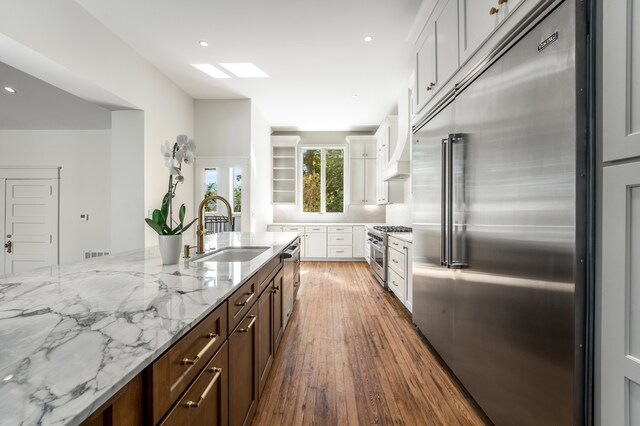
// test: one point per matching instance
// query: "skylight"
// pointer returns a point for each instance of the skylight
(245, 70)
(211, 70)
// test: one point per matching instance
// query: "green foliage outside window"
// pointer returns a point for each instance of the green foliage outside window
(312, 165)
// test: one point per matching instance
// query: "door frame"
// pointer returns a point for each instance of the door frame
(204, 162)
(27, 173)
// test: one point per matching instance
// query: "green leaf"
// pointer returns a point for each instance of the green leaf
(184, 228)
(165, 205)
(183, 211)
(156, 227)
(158, 217)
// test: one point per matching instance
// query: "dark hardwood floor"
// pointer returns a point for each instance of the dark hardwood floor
(351, 356)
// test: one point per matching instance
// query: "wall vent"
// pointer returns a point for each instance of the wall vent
(89, 254)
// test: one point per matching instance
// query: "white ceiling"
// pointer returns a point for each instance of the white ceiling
(313, 51)
(39, 105)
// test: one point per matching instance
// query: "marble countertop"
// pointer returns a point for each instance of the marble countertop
(405, 236)
(72, 335)
(325, 224)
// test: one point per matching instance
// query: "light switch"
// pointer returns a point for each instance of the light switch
(84, 217)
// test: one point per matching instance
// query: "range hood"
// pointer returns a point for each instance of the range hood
(399, 164)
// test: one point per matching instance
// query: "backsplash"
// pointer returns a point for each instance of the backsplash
(287, 213)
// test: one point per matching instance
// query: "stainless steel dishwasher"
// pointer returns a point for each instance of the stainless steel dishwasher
(291, 256)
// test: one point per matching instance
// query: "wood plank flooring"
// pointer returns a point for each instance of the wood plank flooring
(351, 356)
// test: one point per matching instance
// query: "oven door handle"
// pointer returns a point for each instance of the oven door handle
(379, 247)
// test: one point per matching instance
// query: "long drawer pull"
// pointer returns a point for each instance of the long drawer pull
(247, 328)
(213, 337)
(218, 371)
(246, 301)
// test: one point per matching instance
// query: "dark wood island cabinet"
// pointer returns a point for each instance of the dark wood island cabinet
(213, 375)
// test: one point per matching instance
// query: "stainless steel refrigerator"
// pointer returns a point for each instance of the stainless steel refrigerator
(501, 225)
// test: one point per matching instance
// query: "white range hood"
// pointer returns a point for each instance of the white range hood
(399, 165)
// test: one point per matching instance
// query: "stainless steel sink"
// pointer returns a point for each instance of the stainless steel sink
(231, 254)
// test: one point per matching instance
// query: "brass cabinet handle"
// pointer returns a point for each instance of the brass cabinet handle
(394, 283)
(9, 246)
(247, 328)
(431, 86)
(394, 261)
(502, 1)
(494, 10)
(218, 371)
(247, 300)
(213, 337)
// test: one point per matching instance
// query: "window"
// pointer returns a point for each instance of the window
(322, 180)
(216, 182)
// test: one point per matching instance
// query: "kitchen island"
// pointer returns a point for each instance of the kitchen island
(72, 336)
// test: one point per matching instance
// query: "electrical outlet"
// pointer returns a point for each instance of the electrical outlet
(84, 217)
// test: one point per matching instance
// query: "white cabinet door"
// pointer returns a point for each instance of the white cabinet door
(274, 228)
(358, 241)
(408, 296)
(426, 67)
(447, 43)
(370, 150)
(476, 23)
(370, 181)
(357, 150)
(358, 181)
(316, 245)
(620, 79)
(620, 289)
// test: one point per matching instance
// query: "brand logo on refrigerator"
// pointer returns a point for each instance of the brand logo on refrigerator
(553, 37)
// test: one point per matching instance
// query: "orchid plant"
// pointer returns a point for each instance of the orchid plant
(174, 156)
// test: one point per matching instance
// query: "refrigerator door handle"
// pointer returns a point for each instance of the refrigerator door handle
(449, 197)
(443, 204)
(456, 138)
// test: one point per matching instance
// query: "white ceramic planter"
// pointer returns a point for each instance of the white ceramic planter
(170, 246)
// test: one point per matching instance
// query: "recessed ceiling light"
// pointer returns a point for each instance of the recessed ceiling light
(203, 43)
(354, 96)
(9, 89)
(368, 39)
(211, 70)
(245, 70)
(7, 378)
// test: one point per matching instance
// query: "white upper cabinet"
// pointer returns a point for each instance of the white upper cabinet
(478, 19)
(620, 80)
(426, 68)
(362, 152)
(437, 58)
(447, 43)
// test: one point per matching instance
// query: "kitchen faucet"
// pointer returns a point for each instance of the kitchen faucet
(201, 230)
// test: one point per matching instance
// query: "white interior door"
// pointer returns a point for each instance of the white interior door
(30, 224)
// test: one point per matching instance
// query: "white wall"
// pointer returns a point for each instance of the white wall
(74, 41)
(260, 204)
(400, 214)
(223, 127)
(127, 202)
(85, 180)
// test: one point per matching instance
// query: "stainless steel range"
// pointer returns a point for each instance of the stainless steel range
(377, 237)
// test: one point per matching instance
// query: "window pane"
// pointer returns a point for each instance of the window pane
(311, 180)
(334, 175)
(237, 190)
(210, 187)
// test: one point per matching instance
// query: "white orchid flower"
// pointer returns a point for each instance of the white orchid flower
(171, 162)
(175, 171)
(179, 179)
(188, 159)
(191, 145)
(182, 140)
(166, 150)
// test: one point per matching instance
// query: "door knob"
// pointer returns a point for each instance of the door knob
(493, 11)
(8, 245)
